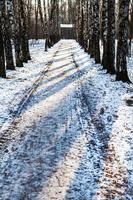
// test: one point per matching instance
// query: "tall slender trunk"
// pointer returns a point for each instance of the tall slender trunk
(110, 65)
(41, 17)
(91, 29)
(45, 24)
(29, 14)
(36, 19)
(96, 32)
(24, 35)
(2, 58)
(104, 32)
(16, 34)
(7, 39)
(81, 24)
(86, 37)
(8, 51)
(121, 65)
(77, 19)
(53, 23)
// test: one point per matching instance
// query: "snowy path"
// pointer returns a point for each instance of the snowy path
(62, 149)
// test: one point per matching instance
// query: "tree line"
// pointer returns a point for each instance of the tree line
(106, 21)
(96, 22)
(13, 29)
(18, 20)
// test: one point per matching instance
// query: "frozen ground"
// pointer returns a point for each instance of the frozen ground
(73, 139)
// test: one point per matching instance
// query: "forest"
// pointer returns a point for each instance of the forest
(94, 21)
(66, 99)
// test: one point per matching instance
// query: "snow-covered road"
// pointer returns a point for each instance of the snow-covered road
(72, 140)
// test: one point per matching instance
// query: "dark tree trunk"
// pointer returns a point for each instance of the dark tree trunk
(36, 20)
(53, 25)
(24, 35)
(86, 25)
(46, 25)
(16, 34)
(41, 17)
(77, 19)
(94, 37)
(104, 32)
(110, 65)
(121, 65)
(2, 59)
(91, 25)
(81, 24)
(8, 52)
(96, 32)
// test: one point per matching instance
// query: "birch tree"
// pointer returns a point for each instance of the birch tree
(8, 35)
(123, 22)
(108, 35)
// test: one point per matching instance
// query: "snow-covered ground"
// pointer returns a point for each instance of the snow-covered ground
(19, 83)
(74, 137)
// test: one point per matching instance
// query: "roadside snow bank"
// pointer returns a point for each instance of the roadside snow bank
(110, 104)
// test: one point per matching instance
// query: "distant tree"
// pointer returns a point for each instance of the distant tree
(121, 65)
(70, 12)
(77, 16)
(41, 17)
(29, 16)
(104, 31)
(36, 19)
(94, 30)
(81, 23)
(45, 24)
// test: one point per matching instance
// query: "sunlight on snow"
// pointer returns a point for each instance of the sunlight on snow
(54, 95)
(65, 172)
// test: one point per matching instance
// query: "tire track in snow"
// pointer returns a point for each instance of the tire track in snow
(5, 136)
(27, 162)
